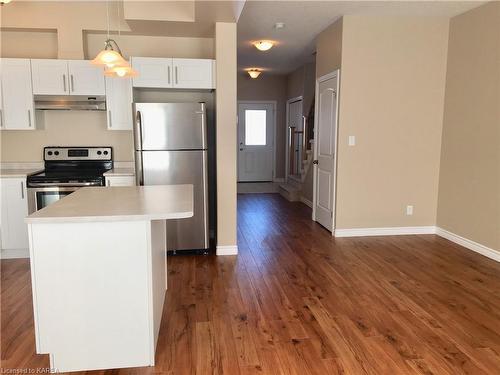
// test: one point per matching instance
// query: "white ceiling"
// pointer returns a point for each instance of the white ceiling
(306, 19)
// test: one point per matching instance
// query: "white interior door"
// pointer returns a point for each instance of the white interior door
(255, 142)
(325, 146)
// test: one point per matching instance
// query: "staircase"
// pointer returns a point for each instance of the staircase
(292, 188)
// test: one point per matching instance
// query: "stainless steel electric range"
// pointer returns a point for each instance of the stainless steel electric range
(66, 170)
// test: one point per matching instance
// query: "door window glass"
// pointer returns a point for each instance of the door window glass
(255, 127)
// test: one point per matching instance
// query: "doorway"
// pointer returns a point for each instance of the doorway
(295, 136)
(256, 141)
(325, 149)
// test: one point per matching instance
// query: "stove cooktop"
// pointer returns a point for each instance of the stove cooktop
(77, 165)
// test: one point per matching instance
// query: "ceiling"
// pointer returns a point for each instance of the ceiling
(304, 20)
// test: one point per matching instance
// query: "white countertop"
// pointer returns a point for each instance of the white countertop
(122, 203)
(17, 173)
(120, 172)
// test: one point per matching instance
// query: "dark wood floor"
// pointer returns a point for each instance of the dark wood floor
(297, 301)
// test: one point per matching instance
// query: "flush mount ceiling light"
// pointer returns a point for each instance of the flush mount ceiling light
(2, 2)
(254, 73)
(111, 56)
(263, 45)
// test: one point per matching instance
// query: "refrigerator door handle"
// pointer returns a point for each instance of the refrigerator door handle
(139, 169)
(138, 131)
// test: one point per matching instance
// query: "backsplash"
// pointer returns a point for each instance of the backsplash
(65, 128)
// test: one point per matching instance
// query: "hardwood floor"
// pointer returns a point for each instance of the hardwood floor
(297, 301)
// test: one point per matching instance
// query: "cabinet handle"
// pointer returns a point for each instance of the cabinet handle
(176, 76)
(64, 82)
(169, 75)
(110, 124)
(29, 118)
(72, 84)
(22, 189)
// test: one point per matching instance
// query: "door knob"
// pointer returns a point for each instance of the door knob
(315, 162)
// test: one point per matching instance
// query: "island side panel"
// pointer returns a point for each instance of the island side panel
(158, 278)
(91, 285)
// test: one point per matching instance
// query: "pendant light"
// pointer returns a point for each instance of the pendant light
(111, 56)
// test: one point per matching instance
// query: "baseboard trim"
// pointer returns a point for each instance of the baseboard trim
(390, 231)
(227, 250)
(469, 244)
(306, 201)
(14, 253)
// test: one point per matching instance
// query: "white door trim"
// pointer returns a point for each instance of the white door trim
(274, 103)
(335, 73)
(288, 102)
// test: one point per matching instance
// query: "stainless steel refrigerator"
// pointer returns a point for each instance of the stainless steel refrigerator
(171, 148)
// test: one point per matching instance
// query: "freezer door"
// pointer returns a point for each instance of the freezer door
(182, 167)
(169, 126)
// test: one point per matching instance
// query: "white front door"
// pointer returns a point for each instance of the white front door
(325, 142)
(255, 142)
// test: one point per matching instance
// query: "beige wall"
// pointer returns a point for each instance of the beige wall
(226, 104)
(329, 49)
(295, 83)
(391, 99)
(153, 46)
(469, 188)
(68, 18)
(272, 88)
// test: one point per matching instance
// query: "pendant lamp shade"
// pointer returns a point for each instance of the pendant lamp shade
(109, 57)
(121, 72)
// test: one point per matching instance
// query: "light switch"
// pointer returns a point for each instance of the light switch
(409, 210)
(352, 140)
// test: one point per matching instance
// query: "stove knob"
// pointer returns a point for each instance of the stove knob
(99, 152)
(105, 152)
(49, 153)
(56, 152)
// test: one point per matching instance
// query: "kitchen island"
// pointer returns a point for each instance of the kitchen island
(98, 269)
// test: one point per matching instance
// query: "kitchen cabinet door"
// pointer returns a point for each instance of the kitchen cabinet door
(50, 77)
(17, 95)
(120, 180)
(119, 103)
(193, 73)
(13, 229)
(85, 78)
(153, 72)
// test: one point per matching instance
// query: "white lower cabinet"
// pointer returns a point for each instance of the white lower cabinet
(13, 229)
(120, 180)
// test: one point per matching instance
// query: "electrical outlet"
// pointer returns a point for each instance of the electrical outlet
(352, 140)
(409, 210)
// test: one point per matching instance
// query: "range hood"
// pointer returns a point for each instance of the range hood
(70, 102)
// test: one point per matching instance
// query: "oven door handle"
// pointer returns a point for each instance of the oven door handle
(56, 184)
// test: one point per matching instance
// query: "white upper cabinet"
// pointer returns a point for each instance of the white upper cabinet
(13, 230)
(17, 97)
(50, 77)
(193, 73)
(157, 72)
(119, 103)
(66, 77)
(153, 72)
(85, 78)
